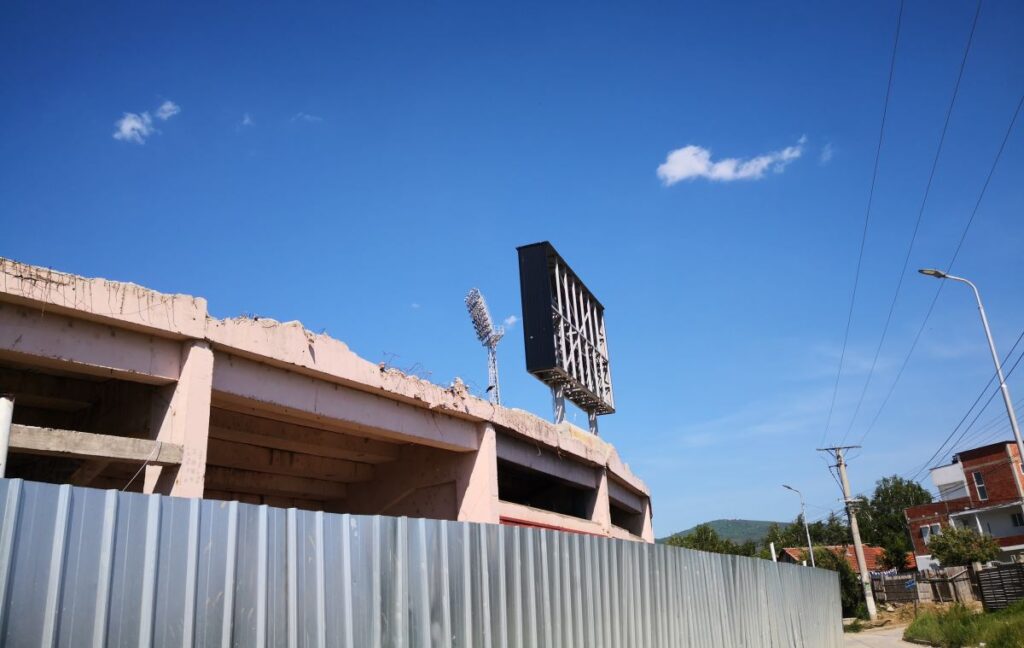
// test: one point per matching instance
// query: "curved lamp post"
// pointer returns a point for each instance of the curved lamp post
(938, 274)
(807, 529)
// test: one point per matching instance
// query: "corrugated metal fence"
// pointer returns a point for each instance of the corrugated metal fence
(85, 567)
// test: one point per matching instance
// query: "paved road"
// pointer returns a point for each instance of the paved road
(886, 638)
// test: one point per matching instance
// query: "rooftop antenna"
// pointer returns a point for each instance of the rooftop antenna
(489, 336)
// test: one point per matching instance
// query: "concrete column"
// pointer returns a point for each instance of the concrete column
(602, 506)
(648, 533)
(477, 483)
(181, 415)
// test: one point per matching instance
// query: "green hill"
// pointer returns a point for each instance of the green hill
(737, 530)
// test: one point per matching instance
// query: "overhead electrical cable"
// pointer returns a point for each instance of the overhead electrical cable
(949, 267)
(917, 224)
(989, 426)
(967, 414)
(867, 219)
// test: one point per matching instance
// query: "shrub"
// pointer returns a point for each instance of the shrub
(958, 626)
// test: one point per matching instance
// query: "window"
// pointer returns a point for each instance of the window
(929, 530)
(1018, 519)
(979, 483)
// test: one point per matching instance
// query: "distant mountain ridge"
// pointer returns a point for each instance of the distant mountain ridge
(736, 530)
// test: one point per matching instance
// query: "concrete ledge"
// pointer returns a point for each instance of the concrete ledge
(510, 513)
(101, 300)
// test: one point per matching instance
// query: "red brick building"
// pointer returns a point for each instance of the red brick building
(982, 489)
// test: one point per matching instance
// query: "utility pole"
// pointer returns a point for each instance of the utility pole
(851, 513)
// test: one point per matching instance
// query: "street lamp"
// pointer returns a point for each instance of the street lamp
(807, 529)
(938, 274)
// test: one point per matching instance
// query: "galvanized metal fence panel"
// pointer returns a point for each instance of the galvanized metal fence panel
(84, 567)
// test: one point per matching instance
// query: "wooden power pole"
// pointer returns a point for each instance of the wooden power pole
(851, 514)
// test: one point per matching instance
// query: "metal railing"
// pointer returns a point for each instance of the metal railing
(85, 567)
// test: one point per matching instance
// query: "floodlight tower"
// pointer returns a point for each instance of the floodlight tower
(489, 336)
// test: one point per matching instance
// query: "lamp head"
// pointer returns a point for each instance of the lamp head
(931, 272)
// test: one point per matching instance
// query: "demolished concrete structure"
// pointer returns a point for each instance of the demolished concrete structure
(116, 386)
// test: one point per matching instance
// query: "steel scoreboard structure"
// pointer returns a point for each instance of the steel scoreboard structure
(564, 332)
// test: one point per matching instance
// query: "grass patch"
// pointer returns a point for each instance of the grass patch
(959, 627)
(856, 626)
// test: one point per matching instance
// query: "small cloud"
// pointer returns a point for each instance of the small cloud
(414, 306)
(247, 120)
(693, 161)
(826, 153)
(167, 110)
(134, 128)
(306, 117)
(511, 321)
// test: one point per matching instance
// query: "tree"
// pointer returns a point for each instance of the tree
(882, 522)
(832, 531)
(851, 594)
(962, 546)
(705, 538)
(894, 558)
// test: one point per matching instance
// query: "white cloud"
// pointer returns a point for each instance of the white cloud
(693, 161)
(247, 120)
(134, 128)
(306, 117)
(511, 321)
(167, 110)
(414, 306)
(826, 153)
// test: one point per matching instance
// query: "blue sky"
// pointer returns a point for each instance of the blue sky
(360, 167)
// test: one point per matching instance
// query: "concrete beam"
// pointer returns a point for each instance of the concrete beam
(625, 498)
(85, 445)
(540, 458)
(35, 337)
(240, 382)
(283, 462)
(247, 481)
(254, 430)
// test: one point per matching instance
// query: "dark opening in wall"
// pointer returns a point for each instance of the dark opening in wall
(626, 519)
(65, 400)
(521, 485)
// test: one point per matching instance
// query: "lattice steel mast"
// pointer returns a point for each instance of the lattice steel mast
(489, 336)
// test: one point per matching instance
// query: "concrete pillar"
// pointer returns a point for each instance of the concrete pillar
(477, 483)
(602, 514)
(648, 532)
(181, 415)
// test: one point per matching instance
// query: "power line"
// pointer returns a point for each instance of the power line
(867, 219)
(917, 224)
(995, 421)
(984, 389)
(949, 266)
(995, 427)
